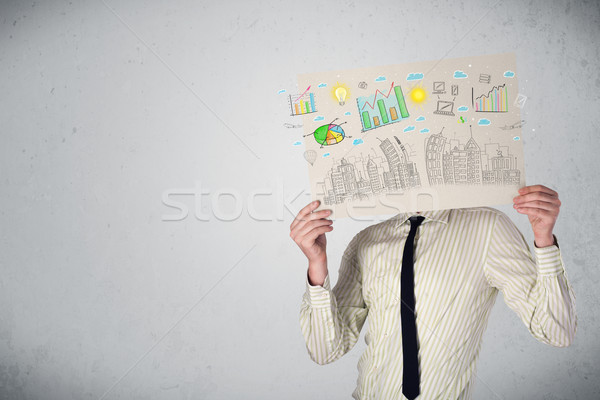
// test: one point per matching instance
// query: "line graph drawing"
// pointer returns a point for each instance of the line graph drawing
(302, 103)
(381, 109)
(495, 100)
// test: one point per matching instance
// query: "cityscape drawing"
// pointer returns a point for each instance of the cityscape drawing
(358, 178)
(449, 162)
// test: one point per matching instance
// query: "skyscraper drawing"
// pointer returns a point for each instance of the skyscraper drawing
(365, 177)
(450, 163)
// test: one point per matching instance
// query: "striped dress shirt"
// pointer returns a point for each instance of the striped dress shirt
(463, 257)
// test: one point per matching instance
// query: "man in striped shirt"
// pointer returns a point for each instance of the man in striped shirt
(463, 257)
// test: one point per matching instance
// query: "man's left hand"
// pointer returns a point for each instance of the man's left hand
(541, 204)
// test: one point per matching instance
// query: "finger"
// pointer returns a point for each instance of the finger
(315, 233)
(304, 212)
(304, 226)
(310, 217)
(536, 212)
(543, 205)
(537, 188)
(311, 225)
(540, 196)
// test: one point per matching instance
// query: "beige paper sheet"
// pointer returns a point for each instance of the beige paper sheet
(419, 136)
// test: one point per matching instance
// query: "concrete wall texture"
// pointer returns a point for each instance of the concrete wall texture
(110, 107)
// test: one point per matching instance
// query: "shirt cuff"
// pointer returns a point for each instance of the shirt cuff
(318, 296)
(549, 260)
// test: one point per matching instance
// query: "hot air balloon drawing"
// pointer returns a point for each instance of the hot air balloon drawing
(329, 134)
(310, 156)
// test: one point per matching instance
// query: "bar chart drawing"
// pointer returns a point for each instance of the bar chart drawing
(304, 103)
(496, 100)
(382, 109)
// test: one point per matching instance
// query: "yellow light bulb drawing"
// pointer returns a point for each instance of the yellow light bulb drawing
(340, 93)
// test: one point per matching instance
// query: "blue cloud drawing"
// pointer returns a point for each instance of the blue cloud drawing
(459, 75)
(380, 79)
(322, 85)
(319, 118)
(462, 109)
(484, 121)
(409, 128)
(516, 138)
(281, 91)
(509, 74)
(424, 130)
(297, 143)
(421, 118)
(347, 113)
(357, 141)
(326, 155)
(413, 76)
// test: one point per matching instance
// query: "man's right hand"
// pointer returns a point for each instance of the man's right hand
(308, 231)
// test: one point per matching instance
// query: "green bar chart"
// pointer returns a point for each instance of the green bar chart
(381, 109)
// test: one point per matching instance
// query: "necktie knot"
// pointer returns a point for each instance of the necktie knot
(415, 221)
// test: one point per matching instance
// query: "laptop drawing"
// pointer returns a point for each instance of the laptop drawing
(444, 108)
(439, 88)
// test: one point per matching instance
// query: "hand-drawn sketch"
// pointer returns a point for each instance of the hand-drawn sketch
(303, 103)
(445, 107)
(361, 178)
(517, 124)
(417, 95)
(520, 100)
(450, 162)
(372, 118)
(340, 92)
(439, 88)
(495, 100)
(329, 134)
(405, 153)
(310, 156)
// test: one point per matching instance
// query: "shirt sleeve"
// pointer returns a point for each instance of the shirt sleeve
(537, 289)
(331, 320)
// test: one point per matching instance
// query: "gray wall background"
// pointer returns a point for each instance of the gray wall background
(107, 106)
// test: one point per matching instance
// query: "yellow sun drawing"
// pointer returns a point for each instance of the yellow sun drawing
(418, 95)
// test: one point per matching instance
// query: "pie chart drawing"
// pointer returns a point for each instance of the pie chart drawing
(329, 134)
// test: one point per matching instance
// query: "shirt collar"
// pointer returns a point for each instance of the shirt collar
(432, 215)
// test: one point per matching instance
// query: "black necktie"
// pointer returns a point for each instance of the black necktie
(410, 350)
